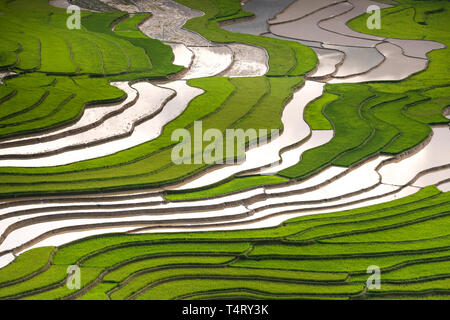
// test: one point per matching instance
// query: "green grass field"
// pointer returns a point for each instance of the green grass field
(150, 163)
(57, 67)
(285, 57)
(388, 122)
(61, 72)
(399, 111)
(304, 257)
(221, 106)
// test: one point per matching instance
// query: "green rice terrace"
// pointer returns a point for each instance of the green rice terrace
(213, 149)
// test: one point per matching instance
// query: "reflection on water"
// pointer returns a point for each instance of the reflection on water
(311, 26)
(317, 179)
(350, 182)
(6, 259)
(276, 216)
(313, 44)
(357, 60)
(151, 99)
(294, 130)
(433, 178)
(91, 116)
(307, 28)
(24, 234)
(435, 153)
(328, 61)
(324, 24)
(182, 55)
(248, 61)
(416, 48)
(358, 7)
(302, 8)
(150, 95)
(292, 156)
(396, 66)
(445, 187)
(263, 10)
(166, 23)
(209, 61)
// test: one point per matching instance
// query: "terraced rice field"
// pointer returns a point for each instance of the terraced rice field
(353, 171)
